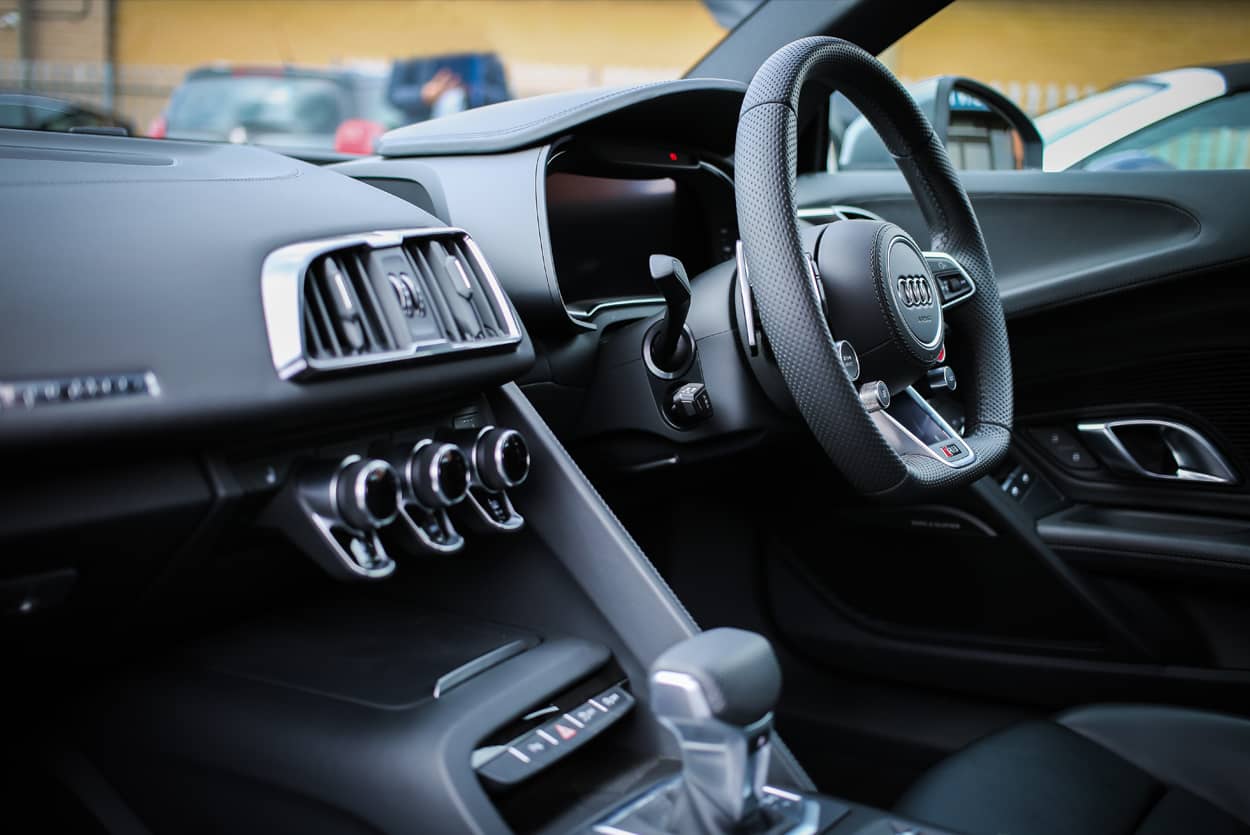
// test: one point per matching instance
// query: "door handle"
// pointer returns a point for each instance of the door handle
(1158, 449)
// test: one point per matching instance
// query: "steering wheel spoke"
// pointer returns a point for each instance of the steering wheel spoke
(913, 427)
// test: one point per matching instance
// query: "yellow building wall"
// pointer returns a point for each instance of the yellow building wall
(71, 38)
(1080, 42)
(659, 33)
(63, 31)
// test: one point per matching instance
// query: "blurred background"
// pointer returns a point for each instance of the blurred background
(127, 57)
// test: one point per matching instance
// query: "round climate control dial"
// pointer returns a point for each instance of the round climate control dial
(366, 493)
(438, 474)
(502, 458)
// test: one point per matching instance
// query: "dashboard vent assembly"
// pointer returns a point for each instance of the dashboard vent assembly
(381, 297)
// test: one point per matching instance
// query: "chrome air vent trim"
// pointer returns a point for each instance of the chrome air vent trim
(282, 292)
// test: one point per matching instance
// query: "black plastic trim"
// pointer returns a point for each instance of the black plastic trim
(1060, 237)
(1148, 532)
(602, 556)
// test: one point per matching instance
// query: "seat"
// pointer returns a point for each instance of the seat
(1102, 770)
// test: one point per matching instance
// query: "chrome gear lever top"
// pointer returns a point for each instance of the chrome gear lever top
(716, 693)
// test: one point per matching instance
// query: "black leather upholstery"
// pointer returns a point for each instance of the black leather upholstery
(1105, 770)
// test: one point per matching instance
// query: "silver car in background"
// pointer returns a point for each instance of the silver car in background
(1191, 118)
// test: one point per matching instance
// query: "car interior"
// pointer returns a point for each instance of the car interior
(608, 461)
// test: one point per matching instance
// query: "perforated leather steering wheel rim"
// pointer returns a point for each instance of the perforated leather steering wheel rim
(789, 305)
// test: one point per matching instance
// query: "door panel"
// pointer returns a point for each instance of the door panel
(1063, 236)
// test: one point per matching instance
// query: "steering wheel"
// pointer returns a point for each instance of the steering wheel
(858, 299)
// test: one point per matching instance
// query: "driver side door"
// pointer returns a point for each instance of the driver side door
(1109, 558)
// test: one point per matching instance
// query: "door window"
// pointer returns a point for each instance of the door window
(1109, 85)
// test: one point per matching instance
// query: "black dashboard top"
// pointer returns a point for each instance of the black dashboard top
(701, 111)
(490, 171)
(137, 257)
(153, 281)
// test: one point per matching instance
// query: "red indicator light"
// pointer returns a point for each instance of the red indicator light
(942, 354)
(672, 155)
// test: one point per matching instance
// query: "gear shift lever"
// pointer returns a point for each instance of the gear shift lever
(716, 693)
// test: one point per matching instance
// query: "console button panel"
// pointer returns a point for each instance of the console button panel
(525, 755)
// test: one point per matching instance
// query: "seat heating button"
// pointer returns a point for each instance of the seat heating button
(585, 714)
(615, 700)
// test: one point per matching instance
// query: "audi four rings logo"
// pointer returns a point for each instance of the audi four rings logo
(914, 290)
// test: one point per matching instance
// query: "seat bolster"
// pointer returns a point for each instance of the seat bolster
(1207, 754)
(1035, 778)
(1180, 811)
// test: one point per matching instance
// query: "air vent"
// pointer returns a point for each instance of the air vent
(381, 297)
(459, 288)
(342, 312)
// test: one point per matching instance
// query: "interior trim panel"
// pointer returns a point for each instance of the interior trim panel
(1059, 237)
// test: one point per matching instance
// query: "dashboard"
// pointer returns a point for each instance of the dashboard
(561, 215)
(179, 233)
(242, 383)
(569, 195)
(219, 325)
(304, 431)
(197, 329)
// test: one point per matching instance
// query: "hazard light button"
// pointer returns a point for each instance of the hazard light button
(562, 729)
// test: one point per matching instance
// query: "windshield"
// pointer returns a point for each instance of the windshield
(335, 74)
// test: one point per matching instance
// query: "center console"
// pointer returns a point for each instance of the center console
(476, 644)
(541, 679)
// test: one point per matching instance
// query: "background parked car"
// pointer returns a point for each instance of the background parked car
(287, 107)
(1191, 118)
(31, 112)
(982, 129)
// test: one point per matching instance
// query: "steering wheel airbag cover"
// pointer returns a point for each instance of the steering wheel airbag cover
(790, 311)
